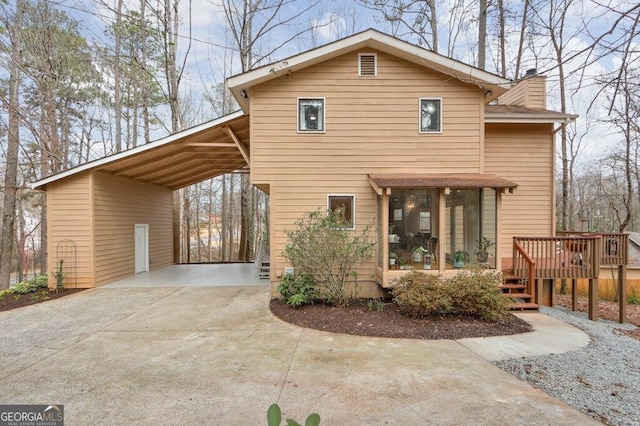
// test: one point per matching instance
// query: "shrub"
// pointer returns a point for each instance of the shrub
(30, 286)
(298, 291)
(322, 248)
(633, 299)
(420, 295)
(472, 293)
(477, 293)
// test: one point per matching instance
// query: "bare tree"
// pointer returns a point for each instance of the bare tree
(482, 34)
(409, 18)
(14, 24)
(250, 23)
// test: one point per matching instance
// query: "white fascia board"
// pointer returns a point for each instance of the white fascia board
(137, 150)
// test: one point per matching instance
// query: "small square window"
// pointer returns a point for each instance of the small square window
(430, 115)
(344, 205)
(311, 114)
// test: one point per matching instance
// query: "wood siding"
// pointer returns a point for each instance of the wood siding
(523, 154)
(371, 127)
(530, 93)
(70, 237)
(119, 205)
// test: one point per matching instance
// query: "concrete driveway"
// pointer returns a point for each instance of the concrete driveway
(216, 356)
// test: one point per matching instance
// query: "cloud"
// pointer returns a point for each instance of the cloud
(329, 27)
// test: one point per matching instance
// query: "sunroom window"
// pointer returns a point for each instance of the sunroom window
(471, 227)
(413, 236)
(465, 227)
(310, 114)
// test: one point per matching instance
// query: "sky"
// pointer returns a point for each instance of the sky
(209, 63)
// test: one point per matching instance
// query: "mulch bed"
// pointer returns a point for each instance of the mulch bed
(12, 301)
(358, 319)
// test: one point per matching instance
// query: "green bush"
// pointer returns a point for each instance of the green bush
(298, 291)
(321, 247)
(472, 293)
(25, 287)
(421, 295)
(634, 299)
(30, 286)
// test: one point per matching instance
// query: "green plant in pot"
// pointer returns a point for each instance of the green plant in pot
(482, 253)
(417, 254)
(460, 258)
(393, 258)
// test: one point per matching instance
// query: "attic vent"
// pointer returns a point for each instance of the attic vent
(367, 64)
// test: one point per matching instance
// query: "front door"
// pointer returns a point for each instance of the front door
(142, 248)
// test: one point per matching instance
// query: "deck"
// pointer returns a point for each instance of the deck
(570, 256)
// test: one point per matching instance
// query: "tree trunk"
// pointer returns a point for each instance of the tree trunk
(116, 76)
(224, 223)
(13, 144)
(244, 218)
(482, 34)
(523, 29)
(501, 38)
(433, 22)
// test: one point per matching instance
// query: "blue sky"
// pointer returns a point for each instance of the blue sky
(209, 62)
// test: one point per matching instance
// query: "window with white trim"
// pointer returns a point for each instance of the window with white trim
(430, 115)
(344, 205)
(310, 114)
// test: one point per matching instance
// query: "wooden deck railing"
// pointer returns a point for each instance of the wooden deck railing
(524, 267)
(572, 255)
(614, 247)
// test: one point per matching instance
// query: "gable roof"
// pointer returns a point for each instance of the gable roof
(202, 152)
(241, 83)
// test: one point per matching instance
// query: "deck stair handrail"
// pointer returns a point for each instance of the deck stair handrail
(563, 256)
(524, 266)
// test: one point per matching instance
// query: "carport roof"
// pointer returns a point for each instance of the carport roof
(211, 149)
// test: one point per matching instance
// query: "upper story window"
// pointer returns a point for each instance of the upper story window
(311, 115)
(367, 64)
(430, 115)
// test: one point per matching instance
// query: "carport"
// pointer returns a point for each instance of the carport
(114, 217)
(194, 275)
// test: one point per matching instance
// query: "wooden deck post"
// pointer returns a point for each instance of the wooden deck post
(622, 293)
(574, 294)
(538, 291)
(593, 299)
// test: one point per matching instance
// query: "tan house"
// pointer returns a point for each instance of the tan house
(437, 154)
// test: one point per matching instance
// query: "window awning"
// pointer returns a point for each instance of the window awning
(440, 180)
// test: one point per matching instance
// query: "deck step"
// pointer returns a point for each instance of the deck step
(513, 286)
(524, 306)
(519, 295)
